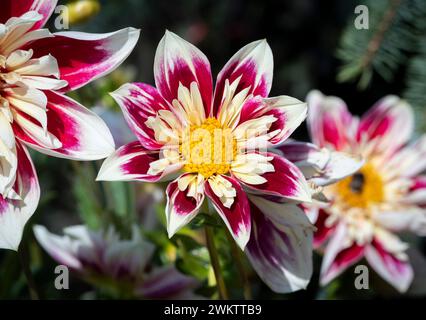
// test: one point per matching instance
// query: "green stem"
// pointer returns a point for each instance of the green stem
(214, 259)
(237, 254)
(23, 258)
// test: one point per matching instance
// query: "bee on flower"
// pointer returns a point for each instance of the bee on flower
(386, 196)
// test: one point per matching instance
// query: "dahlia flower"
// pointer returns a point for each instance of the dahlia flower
(36, 69)
(216, 144)
(104, 259)
(386, 196)
(204, 139)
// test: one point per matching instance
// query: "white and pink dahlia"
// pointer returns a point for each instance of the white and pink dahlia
(36, 69)
(217, 146)
(123, 266)
(386, 196)
(209, 141)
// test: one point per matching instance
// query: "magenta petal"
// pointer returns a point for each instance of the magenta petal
(287, 181)
(181, 208)
(179, 62)
(279, 249)
(323, 231)
(84, 57)
(390, 121)
(395, 271)
(16, 8)
(81, 133)
(329, 121)
(288, 112)
(253, 66)
(131, 162)
(138, 101)
(337, 257)
(236, 218)
(14, 213)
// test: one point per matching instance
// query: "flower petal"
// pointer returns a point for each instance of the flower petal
(411, 218)
(237, 216)
(395, 271)
(340, 254)
(320, 165)
(185, 196)
(280, 246)
(8, 157)
(285, 181)
(168, 283)
(179, 62)
(324, 231)
(390, 122)
(74, 131)
(409, 160)
(132, 162)
(59, 248)
(250, 68)
(13, 8)
(329, 121)
(14, 213)
(417, 192)
(139, 101)
(84, 57)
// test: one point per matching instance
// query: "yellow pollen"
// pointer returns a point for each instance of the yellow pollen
(208, 148)
(362, 189)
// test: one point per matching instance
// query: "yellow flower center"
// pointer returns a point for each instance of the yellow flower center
(362, 189)
(208, 148)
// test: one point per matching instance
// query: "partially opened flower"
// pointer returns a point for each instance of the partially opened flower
(103, 258)
(387, 195)
(215, 143)
(36, 68)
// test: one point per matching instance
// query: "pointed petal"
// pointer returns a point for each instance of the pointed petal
(329, 121)
(340, 254)
(76, 133)
(289, 113)
(132, 162)
(280, 246)
(13, 8)
(84, 57)
(417, 193)
(59, 248)
(324, 231)
(179, 62)
(395, 271)
(14, 213)
(237, 217)
(321, 166)
(138, 102)
(182, 206)
(390, 122)
(252, 68)
(407, 219)
(409, 160)
(285, 181)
